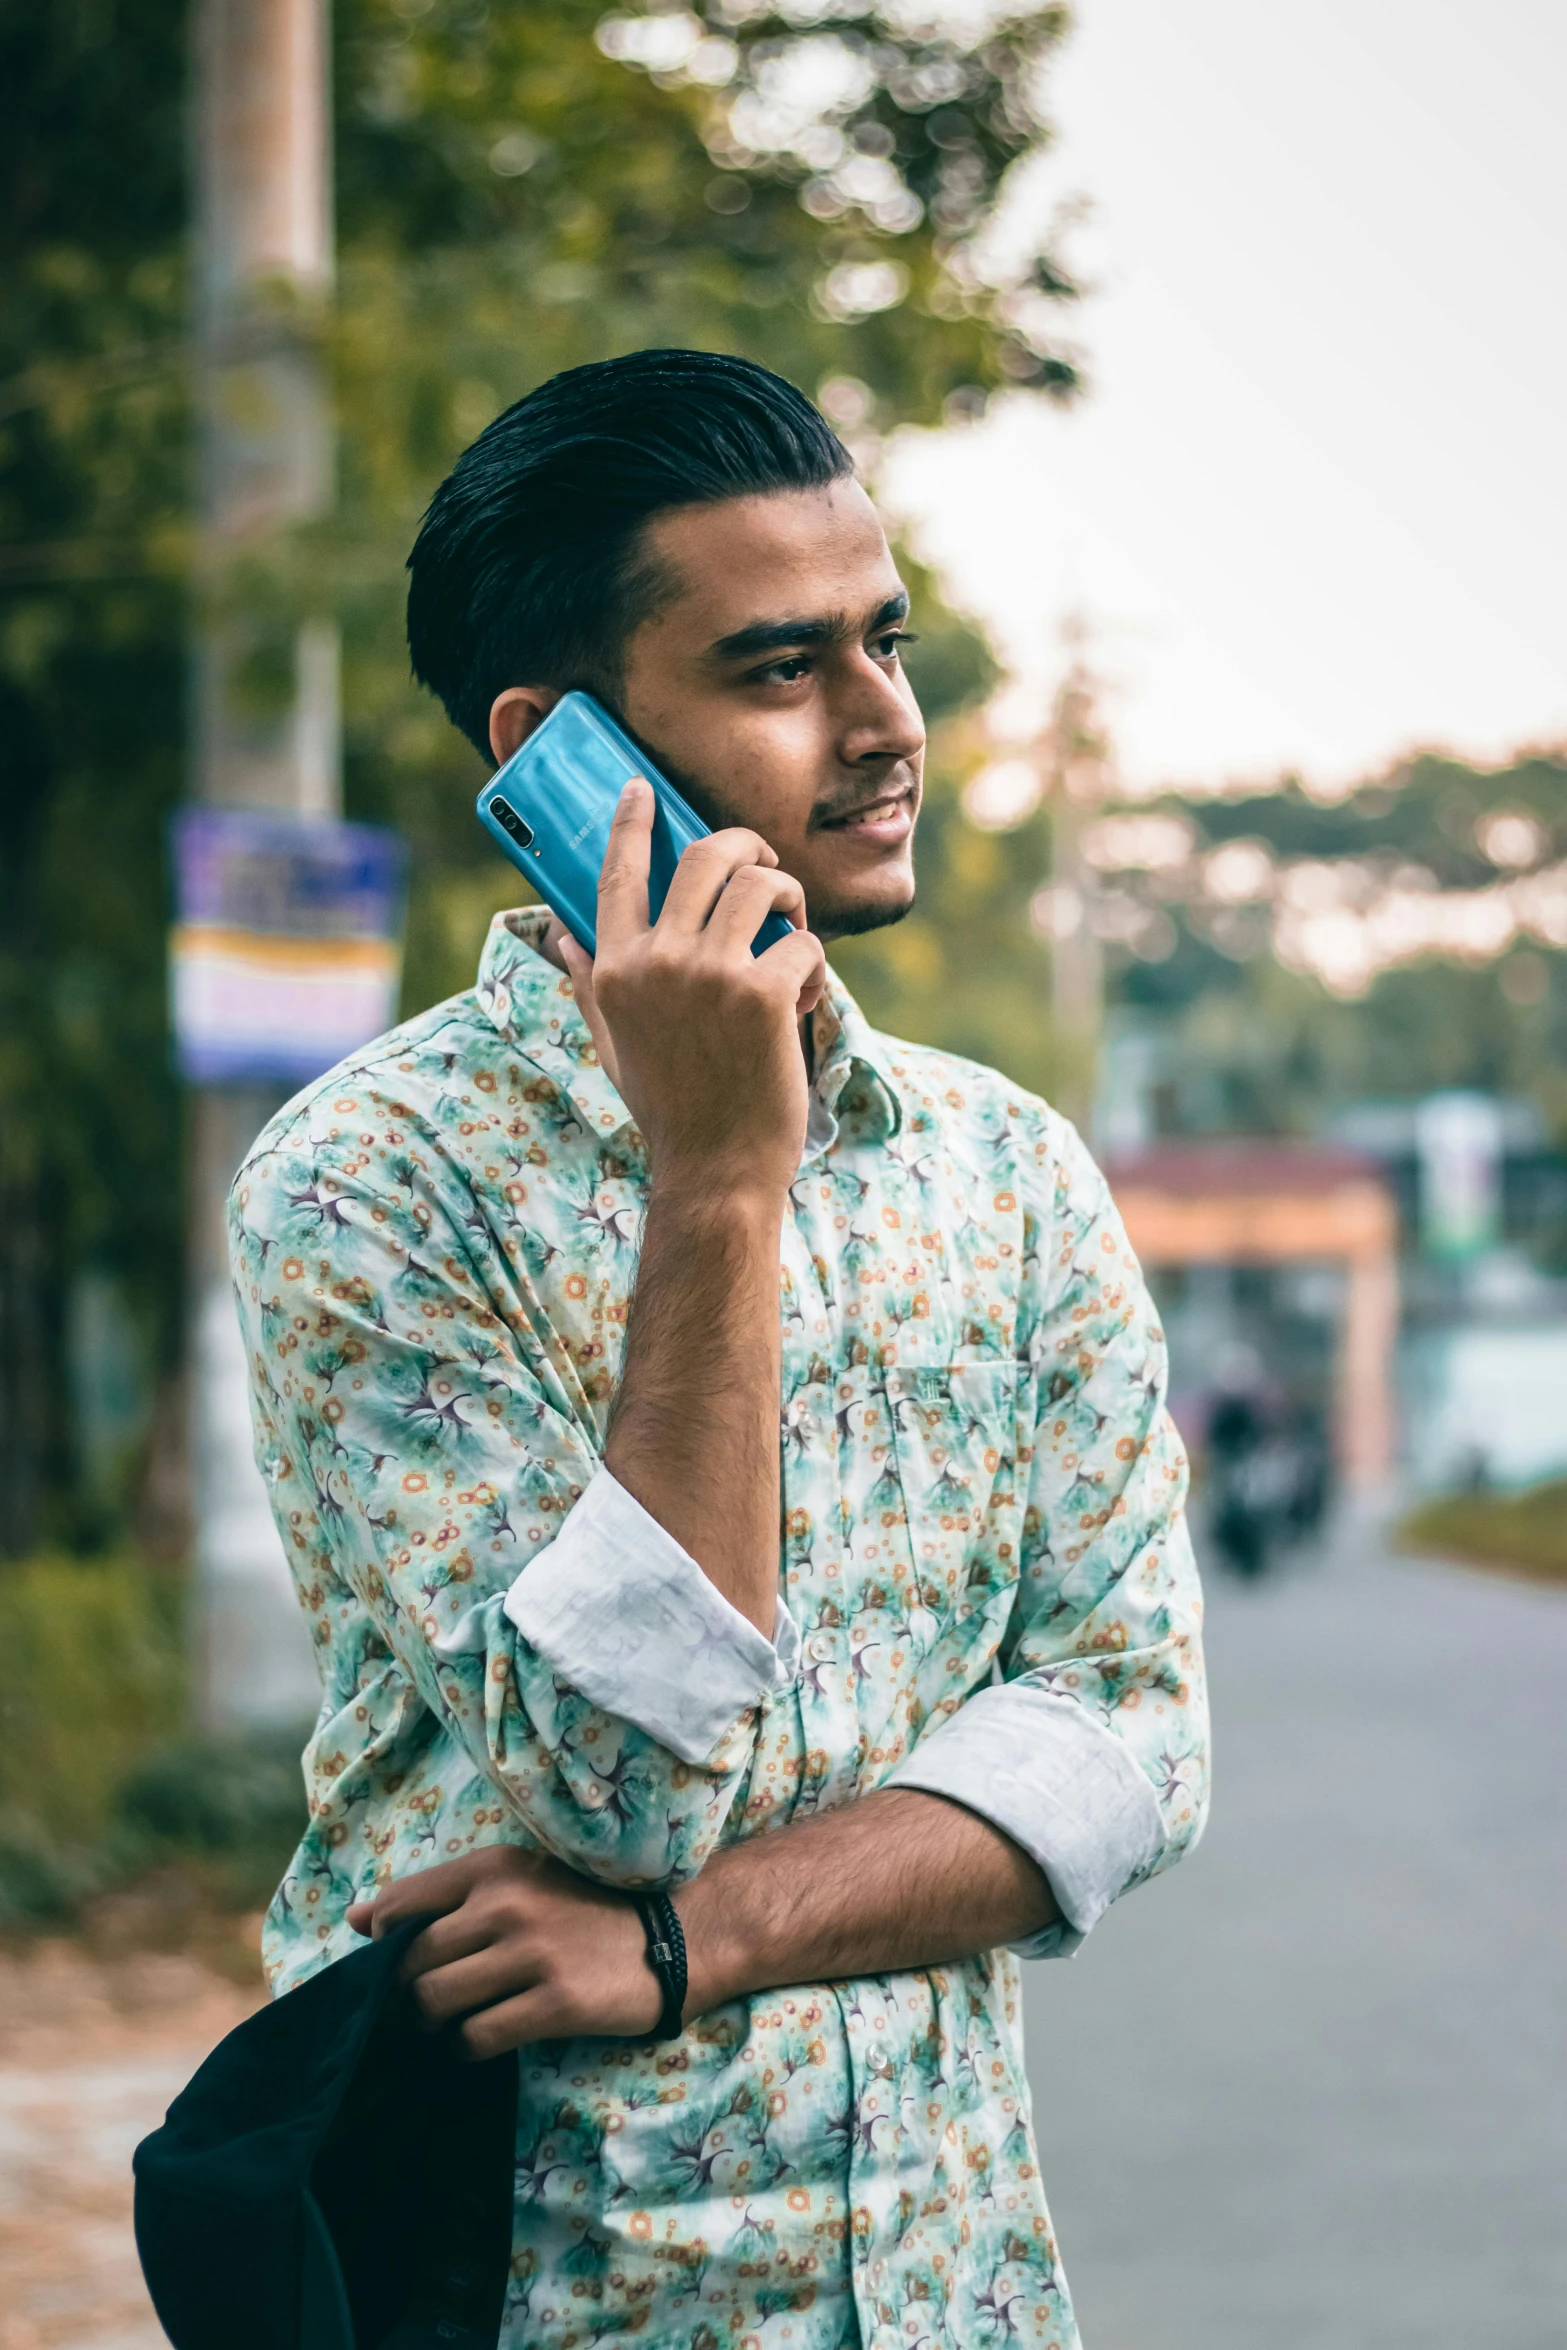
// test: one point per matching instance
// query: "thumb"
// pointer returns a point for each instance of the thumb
(803, 960)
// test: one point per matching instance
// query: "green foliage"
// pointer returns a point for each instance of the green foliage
(549, 184)
(512, 199)
(233, 1809)
(92, 490)
(100, 1780)
(1249, 1045)
(1242, 1043)
(1524, 1532)
(91, 1680)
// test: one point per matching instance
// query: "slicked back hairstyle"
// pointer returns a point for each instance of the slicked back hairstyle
(527, 569)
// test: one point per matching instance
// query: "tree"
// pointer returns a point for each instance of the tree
(1272, 957)
(520, 187)
(92, 488)
(1402, 938)
(524, 190)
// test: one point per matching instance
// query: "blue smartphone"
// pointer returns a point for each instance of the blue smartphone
(550, 807)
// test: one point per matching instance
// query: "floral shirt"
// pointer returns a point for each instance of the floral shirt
(985, 1585)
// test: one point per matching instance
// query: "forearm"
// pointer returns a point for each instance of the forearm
(523, 1950)
(897, 1880)
(694, 1431)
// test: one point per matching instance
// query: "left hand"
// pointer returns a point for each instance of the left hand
(521, 1948)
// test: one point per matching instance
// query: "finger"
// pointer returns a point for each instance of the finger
(511, 2023)
(361, 1916)
(622, 902)
(579, 970)
(580, 967)
(704, 871)
(473, 1927)
(479, 1981)
(751, 896)
(801, 960)
(578, 962)
(428, 1893)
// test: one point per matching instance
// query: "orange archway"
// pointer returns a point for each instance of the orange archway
(1267, 1203)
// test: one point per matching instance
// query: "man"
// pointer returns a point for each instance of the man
(720, 1448)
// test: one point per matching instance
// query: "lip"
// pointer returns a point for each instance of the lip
(879, 823)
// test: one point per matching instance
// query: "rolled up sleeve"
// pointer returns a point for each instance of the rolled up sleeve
(1091, 1750)
(591, 1676)
(1060, 1785)
(624, 1614)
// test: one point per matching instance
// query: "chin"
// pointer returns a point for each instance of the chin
(853, 917)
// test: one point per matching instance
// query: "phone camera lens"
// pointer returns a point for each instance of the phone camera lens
(507, 816)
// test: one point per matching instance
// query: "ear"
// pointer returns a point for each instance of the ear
(514, 715)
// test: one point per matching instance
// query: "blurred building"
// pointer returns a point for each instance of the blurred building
(1387, 1284)
(1483, 1361)
(1276, 1268)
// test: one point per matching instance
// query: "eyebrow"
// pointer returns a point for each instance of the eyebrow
(772, 636)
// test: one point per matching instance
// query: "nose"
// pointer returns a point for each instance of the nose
(880, 719)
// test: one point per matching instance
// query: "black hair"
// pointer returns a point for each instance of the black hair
(526, 570)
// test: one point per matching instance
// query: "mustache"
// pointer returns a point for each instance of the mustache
(898, 784)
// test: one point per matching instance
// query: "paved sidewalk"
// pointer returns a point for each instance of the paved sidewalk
(91, 2052)
(1310, 2092)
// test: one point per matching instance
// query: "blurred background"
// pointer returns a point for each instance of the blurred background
(1203, 362)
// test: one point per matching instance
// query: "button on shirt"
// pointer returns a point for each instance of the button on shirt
(985, 1590)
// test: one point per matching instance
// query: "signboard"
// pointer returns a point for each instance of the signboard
(1458, 1137)
(287, 945)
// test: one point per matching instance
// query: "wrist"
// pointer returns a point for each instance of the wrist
(748, 1199)
(717, 1949)
(665, 1953)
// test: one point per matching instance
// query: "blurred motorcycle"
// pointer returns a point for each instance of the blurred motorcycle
(1266, 1484)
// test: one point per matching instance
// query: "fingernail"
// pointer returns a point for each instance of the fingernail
(635, 786)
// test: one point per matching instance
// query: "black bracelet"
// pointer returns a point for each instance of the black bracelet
(666, 1955)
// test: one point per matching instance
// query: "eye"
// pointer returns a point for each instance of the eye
(890, 639)
(785, 672)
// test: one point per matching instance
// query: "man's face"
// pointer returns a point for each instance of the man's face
(768, 686)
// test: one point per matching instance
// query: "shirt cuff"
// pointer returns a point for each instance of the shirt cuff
(1060, 1785)
(628, 1618)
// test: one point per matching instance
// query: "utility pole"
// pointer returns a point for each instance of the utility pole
(1076, 766)
(266, 723)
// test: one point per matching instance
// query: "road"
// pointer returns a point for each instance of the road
(1310, 2091)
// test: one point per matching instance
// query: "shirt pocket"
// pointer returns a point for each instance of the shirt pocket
(954, 1430)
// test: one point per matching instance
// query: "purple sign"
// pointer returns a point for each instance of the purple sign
(287, 946)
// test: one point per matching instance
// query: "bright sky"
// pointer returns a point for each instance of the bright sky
(1313, 509)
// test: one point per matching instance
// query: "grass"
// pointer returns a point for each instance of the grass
(103, 1784)
(1521, 1533)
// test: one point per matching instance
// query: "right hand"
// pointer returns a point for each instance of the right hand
(699, 1036)
(518, 1948)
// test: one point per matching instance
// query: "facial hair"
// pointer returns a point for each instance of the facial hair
(827, 922)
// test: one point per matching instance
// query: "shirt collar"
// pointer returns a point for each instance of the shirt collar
(853, 1069)
(532, 1006)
